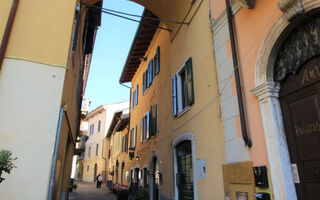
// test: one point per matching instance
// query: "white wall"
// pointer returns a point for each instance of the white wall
(29, 103)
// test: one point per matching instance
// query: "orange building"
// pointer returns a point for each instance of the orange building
(275, 46)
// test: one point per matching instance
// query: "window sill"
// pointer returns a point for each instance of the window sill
(183, 111)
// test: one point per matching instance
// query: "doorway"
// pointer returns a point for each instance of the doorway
(154, 179)
(300, 104)
(184, 175)
(95, 172)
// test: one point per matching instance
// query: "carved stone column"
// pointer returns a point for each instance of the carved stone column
(291, 8)
(276, 143)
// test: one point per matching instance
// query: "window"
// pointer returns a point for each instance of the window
(182, 88)
(134, 100)
(124, 145)
(145, 127)
(133, 137)
(151, 72)
(87, 168)
(97, 149)
(99, 125)
(149, 123)
(89, 151)
(91, 129)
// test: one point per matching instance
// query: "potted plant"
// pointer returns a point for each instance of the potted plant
(6, 162)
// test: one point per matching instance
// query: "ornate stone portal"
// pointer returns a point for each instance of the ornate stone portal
(291, 8)
(248, 3)
(300, 46)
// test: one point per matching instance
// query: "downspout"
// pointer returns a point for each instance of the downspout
(245, 136)
(55, 154)
(7, 31)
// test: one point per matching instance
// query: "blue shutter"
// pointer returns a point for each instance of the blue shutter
(148, 125)
(137, 93)
(141, 130)
(158, 60)
(189, 82)
(174, 95)
(133, 99)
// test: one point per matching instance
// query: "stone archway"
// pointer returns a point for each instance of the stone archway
(267, 91)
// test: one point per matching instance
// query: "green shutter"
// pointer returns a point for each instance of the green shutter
(143, 82)
(174, 95)
(189, 82)
(158, 61)
(153, 120)
(135, 136)
(150, 71)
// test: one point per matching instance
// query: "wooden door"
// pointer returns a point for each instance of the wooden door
(300, 104)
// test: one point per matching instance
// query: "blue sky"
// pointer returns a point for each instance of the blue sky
(113, 43)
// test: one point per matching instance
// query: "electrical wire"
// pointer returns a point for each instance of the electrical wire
(134, 15)
(134, 20)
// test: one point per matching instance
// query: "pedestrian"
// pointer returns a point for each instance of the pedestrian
(99, 180)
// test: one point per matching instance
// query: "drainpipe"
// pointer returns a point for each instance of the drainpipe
(8, 29)
(55, 154)
(245, 136)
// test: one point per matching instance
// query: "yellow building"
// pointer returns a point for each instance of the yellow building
(118, 135)
(45, 58)
(97, 148)
(176, 131)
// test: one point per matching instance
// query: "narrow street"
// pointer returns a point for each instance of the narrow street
(88, 191)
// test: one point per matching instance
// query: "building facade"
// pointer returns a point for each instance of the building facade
(119, 160)
(176, 133)
(97, 147)
(45, 58)
(276, 50)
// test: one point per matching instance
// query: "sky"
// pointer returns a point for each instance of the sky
(113, 42)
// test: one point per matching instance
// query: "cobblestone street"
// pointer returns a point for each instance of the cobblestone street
(88, 191)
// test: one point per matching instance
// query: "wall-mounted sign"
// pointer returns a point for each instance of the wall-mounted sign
(201, 168)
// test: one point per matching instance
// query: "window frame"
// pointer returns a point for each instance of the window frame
(182, 99)
(151, 72)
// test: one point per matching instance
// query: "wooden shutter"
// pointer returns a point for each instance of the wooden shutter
(144, 82)
(148, 125)
(158, 60)
(151, 69)
(126, 143)
(154, 67)
(137, 92)
(189, 82)
(135, 135)
(174, 95)
(141, 130)
(131, 138)
(153, 120)
(133, 99)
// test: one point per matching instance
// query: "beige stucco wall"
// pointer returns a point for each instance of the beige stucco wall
(37, 25)
(28, 125)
